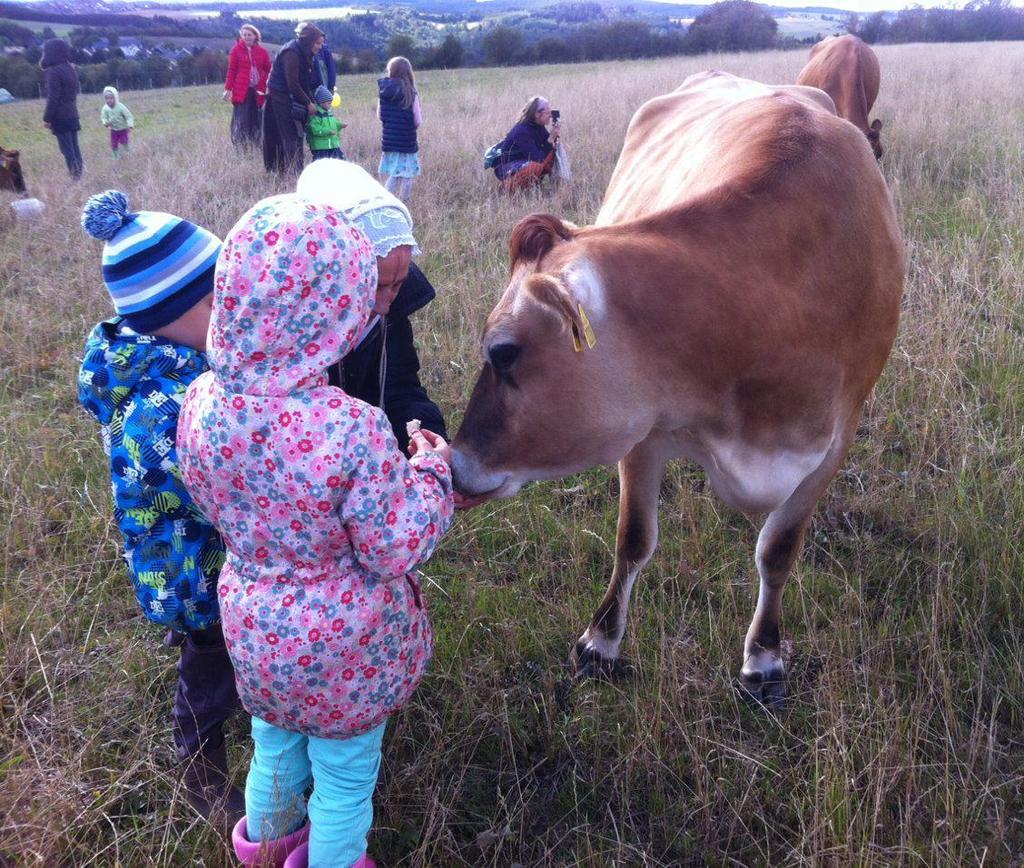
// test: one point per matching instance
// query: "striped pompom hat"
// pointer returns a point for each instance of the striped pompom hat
(156, 266)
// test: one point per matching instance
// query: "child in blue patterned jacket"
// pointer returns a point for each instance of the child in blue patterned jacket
(158, 270)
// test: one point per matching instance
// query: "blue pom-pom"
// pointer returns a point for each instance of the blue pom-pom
(105, 213)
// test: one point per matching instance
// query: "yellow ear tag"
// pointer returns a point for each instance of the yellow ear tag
(588, 331)
(576, 345)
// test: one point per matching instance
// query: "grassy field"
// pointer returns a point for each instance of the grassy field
(902, 743)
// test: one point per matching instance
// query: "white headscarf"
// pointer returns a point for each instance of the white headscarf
(349, 188)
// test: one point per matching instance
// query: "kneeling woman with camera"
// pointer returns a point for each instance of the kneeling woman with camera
(528, 151)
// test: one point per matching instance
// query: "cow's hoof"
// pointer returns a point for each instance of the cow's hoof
(586, 662)
(770, 695)
(762, 682)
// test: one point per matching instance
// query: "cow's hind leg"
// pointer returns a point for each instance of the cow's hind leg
(778, 545)
(640, 472)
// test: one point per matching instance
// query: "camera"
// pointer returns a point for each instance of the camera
(555, 115)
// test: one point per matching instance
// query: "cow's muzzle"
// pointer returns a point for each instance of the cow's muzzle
(473, 480)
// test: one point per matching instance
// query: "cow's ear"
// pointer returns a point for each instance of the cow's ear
(876, 125)
(552, 293)
(534, 236)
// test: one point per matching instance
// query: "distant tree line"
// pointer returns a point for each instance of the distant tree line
(24, 79)
(566, 32)
(978, 21)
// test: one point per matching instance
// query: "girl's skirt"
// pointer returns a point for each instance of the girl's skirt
(396, 165)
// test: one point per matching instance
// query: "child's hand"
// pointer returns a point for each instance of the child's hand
(226, 95)
(424, 440)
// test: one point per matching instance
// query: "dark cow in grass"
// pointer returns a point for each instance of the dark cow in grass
(10, 171)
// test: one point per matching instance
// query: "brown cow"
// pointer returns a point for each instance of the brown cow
(846, 68)
(10, 171)
(741, 289)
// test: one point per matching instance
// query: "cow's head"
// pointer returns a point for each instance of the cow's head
(874, 138)
(548, 401)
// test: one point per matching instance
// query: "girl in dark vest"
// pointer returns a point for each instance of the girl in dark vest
(398, 109)
(289, 92)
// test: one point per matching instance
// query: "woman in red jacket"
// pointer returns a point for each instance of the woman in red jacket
(246, 85)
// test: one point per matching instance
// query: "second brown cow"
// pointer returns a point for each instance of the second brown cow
(847, 70)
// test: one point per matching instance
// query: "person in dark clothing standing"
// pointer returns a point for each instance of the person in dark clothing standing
(325, 70)
(61, 113)
(528, 150)
(289, 92)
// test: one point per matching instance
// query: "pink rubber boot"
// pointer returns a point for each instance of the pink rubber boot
(274, 852)
(299, 858)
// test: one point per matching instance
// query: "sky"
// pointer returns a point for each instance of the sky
(865, 6)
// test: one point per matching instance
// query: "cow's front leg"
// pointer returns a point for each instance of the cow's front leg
(640, 475)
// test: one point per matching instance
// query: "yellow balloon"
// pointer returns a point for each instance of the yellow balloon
(336, 100)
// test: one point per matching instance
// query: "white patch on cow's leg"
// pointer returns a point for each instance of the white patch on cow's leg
(601, 641)
(639, 480)
(592, 643)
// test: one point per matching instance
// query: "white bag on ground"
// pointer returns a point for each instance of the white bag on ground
(27, 210)
(562, 172)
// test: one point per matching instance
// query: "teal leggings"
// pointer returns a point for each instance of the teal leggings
(340, 810)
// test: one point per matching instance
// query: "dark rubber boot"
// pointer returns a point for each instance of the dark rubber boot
(209, 789)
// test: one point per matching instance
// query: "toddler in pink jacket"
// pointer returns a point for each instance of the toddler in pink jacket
(324, 520)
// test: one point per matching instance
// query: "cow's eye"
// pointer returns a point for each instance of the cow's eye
(503, 356)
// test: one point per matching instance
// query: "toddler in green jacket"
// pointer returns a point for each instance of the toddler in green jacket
(323, 129)
(116, 117)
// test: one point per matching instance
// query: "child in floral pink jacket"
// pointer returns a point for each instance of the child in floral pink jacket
(324, 521)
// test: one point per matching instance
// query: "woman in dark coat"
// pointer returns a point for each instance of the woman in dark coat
(61, 113)
(325, 70)
(528, 150)
(384, 369)
(290, 84)
(246, 85)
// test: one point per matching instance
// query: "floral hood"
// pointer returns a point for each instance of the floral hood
(294, 285)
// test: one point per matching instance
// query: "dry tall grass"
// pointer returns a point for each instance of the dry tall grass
(902, 743)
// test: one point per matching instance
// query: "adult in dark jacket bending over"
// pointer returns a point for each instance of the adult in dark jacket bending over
(528, 150)
(383, 369)
(290, 83)
(61, 113)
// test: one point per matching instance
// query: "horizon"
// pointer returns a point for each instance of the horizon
(866, 7)
(861, 6)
